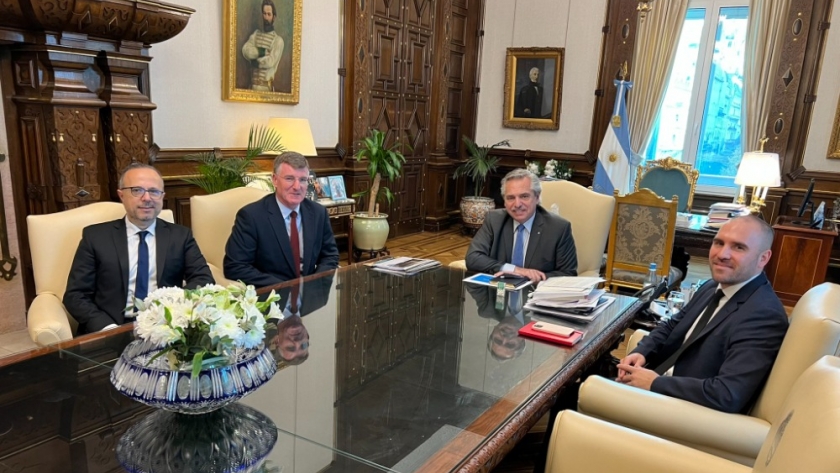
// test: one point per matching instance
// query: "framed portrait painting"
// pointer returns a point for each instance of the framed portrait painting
(533, 81)
(261, 52)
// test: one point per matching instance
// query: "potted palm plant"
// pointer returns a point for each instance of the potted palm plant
(217, 173)
(370, 229)
(478, 165)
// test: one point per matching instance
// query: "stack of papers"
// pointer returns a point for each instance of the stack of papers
(721, 212)
(404, 266)
(573, 298)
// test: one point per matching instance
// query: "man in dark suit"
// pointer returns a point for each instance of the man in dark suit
(131, 257)
(523, 239)
(504, 341)
(718, 351)
(290, 341)
(282, 236)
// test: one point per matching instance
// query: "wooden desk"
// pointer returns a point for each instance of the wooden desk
(800, 257)
(398, 373)
(693, 238)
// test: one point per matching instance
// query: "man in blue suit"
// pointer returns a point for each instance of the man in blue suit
(718, 351)
(282, 236)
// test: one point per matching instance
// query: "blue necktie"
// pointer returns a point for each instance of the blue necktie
(519, 247)
(141, 286)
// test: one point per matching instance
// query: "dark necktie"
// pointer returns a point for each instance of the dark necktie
(295, 240)
(293, 299)
(141, 285)
(518, 258)
(701, 324)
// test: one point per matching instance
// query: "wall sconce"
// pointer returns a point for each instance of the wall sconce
(295, 134)
(760, 171)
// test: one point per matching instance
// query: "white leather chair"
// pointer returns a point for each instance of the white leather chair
(814, 332)
(804, 437)
(590, 214)
(212, 219)
(53, 240)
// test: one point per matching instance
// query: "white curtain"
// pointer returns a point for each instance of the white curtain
(656, 47)
(765, 32)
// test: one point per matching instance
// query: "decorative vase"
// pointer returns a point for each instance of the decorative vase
(155, 384)
(370, 232)
(475, 209)
(235, 438)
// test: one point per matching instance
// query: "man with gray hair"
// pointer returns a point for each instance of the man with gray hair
(282, 236)
(523, 238)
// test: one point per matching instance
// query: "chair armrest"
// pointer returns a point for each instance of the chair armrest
(219, 276)
(637, 337)
(584, 444)
(47, 320)
(734, 436)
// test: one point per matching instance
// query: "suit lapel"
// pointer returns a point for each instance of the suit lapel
(307, 220)
(732, 305)
(278, 224)
(507, 238)
(534, 238)
(162, 237)
(120, 241)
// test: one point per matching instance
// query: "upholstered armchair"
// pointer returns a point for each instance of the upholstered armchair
(814, 332)
(803, 437)
(53, 240)
(590, 214)
(667, 177)
(642, 232)
(212, 218)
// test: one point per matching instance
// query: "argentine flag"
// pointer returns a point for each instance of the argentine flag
(614, 168)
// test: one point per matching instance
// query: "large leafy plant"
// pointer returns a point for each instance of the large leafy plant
(217, 173)
(479, 164)
(383, 162)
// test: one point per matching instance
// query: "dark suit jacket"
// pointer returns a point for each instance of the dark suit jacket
(258, 250)
(551, 248)
(724, 368)
(97, 286)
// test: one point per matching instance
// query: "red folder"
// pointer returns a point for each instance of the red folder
(528, 331)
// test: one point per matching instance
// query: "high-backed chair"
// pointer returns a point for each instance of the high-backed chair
(590, 214)
(212, 218)
(53, 240)
(804, 437)
(667, 177)
(814, 332)
(642, 232)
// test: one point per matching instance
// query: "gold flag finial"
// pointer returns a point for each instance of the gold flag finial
(761, 144)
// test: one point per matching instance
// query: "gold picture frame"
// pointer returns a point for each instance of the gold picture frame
(264, 77)
(529, 106)
(834, 142)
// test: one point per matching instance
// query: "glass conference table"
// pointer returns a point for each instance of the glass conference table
(420, 373)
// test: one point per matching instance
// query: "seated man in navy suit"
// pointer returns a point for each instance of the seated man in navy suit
(718, 351)
(282, 236)
(129, 258)
(523, 238)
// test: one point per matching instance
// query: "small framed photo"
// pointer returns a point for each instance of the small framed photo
(310, 189)
(322, 188)
(533, 80)
(337, 188)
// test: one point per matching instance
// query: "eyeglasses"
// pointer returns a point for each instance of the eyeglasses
(304, 181)
(138, 192)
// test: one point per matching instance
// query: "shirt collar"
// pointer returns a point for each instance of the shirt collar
(730, 291)
(133, 229)
(528, 224)
(285, 211)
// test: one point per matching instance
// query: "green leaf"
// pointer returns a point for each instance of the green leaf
(196, 363)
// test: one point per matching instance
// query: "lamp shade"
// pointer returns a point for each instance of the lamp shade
(295, 134)
(759, 170)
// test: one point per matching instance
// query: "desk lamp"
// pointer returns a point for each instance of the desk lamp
(760, 171)
(295, 134)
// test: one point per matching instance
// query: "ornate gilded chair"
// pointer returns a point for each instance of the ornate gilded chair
(53, 239)
(667, 177)
(642, 232)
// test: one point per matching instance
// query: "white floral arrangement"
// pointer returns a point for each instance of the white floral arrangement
(557, 170)
(204, 325)
(533, 166)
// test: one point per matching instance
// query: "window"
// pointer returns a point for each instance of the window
(700, 118)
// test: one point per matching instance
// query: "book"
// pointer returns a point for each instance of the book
(404, 266)
(512, 283)
(581, 315)
(337, 190)
(571, 340)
